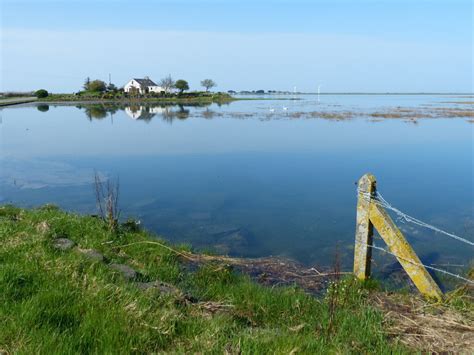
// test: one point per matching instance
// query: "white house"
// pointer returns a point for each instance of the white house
(143, 86)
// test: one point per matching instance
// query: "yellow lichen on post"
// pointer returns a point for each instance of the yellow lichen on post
(370, 215)
(404, 253)
(364, 228)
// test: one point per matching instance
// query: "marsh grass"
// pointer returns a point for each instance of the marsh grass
(61, 302)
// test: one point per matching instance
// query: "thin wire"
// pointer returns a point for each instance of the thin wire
(379, 200)
(419, 264)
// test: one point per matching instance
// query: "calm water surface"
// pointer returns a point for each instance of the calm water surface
(249, 178)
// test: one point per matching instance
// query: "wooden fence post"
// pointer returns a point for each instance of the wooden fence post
(370, 215)
(364, 228)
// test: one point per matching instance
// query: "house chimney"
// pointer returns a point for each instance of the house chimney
(147, 77)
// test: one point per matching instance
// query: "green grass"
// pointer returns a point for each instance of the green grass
(62, 302)
(192, 97)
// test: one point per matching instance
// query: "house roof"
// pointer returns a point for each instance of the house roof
(145, 82)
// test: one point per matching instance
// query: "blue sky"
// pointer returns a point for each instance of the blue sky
(361, 46)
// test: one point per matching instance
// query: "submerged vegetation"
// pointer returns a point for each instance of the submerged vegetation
(72, 284)
(170, 110)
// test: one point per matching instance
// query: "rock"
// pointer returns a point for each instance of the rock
(63, 244)
(162, 287)
(127, 272)
(236, 243)
(92, 254)
(43, 227)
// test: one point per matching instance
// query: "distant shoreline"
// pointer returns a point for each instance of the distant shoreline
(360, 93)
(142, 101)
(17, 101)
(61, 99)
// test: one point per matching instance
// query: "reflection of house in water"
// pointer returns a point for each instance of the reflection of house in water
(159, 110)
(143, 112)
(168, 113)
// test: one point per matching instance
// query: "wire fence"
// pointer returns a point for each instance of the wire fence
(420, 264)
(378, 199)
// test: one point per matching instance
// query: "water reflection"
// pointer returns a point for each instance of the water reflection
(137, 111)
(143, 112)
(43, 108)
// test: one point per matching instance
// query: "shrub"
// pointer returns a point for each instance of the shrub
(97, 86)
(41, 93)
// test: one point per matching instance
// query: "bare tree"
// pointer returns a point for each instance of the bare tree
(86, 83)
(167, 83)
(107, 196)
(208, 84)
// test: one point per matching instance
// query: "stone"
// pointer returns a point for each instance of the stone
(127, 272)
(235, 243)
(63, 244)
(43, 227)
(162, 287)
(92, 254)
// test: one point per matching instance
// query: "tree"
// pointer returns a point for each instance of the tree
(208, 84)
(86, 83)
(181, 85)
(97, 86)
(167, 83)
(41, 93)
(111, 87)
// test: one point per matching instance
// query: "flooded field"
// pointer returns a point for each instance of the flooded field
(254, 178)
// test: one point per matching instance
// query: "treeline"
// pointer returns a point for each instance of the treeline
(99, 89)
(167, 83)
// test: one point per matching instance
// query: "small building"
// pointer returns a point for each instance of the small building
(144, 86)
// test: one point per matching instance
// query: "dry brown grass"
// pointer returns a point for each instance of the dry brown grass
(402, 113)
(415, 322)
(425, 326)
(459, 102)
(337, 115)
(273, 271)
(453, 113)
(408, 114)
(386, 115)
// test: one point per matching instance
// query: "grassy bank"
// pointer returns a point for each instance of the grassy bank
(16, 101)
(187, 98)
(78, 300)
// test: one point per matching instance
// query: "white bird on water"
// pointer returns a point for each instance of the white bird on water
(285, 108)
(272, 109)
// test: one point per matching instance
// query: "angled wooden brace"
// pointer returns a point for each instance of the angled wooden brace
(370, 215)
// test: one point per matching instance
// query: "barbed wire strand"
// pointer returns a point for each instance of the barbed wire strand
(419, 264)
(378, 199)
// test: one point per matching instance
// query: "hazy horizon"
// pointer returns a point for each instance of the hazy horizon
(363, 47)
